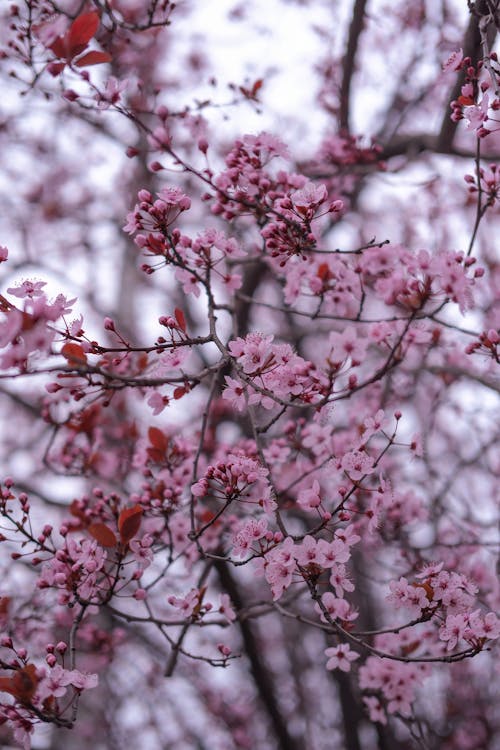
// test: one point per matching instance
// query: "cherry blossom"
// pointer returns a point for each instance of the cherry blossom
(260, 406)
(340, 657)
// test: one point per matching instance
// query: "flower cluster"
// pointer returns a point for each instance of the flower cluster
(488, 344)
(289, 233)
(152, 218)
(247, 183)
(475, 105)
(236, 478)
(28, 331)
(273, 372)
(391, 684)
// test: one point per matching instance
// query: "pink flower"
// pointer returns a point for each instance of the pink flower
(340, 657)
(357, 464)
(142, 552)
(336, 551)
(337, 609)
(340, 580)
(226, 609)
(453, 630)
(375, 709)
(250, 532)
(310, 499)
(185, 604)
(483, 626)
(234, 392)
(477, 114)
(82, 681)
(307, 200)
(454, 62)
(189, 282)
(416, 445)
(112, 92)
(348, 536)
(158, 402)
(347, 344)
(253, 353)
(54, 683)
(28, 289)
(309, 552)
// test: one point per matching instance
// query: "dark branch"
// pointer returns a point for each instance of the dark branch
(472, 47)
(260, 673)
(355, 29)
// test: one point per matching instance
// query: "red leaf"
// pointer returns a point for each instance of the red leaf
(6, 685)
(55, 68)
(257, 85)
(58, 47)
(155, 455)
(158, 439)
(180, 392)
(25, 682)
(93, 58)
(74, 354)
(81, 31)
(181, 320)
(22, 684)
(103, 534)
(323, 271)
(129, 522)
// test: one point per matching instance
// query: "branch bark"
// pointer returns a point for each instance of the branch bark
(260, 673)
(355, 29)
(472, 47)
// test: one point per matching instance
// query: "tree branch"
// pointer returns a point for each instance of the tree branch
(355, 29)
(472, 47)
(260, 673)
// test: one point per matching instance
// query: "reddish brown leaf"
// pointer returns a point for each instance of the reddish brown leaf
(155, 455)
(56, 68)
(25, 682)
(180, 392)
(181, 320)
(103, 534)
(6, 685)
(22, 684)
(74, 354)
(158, 439)
(93, 58)
(323, 271)
(58, 47)
(81, 31)
(75, 510)
(129, 522)
(257, 85)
